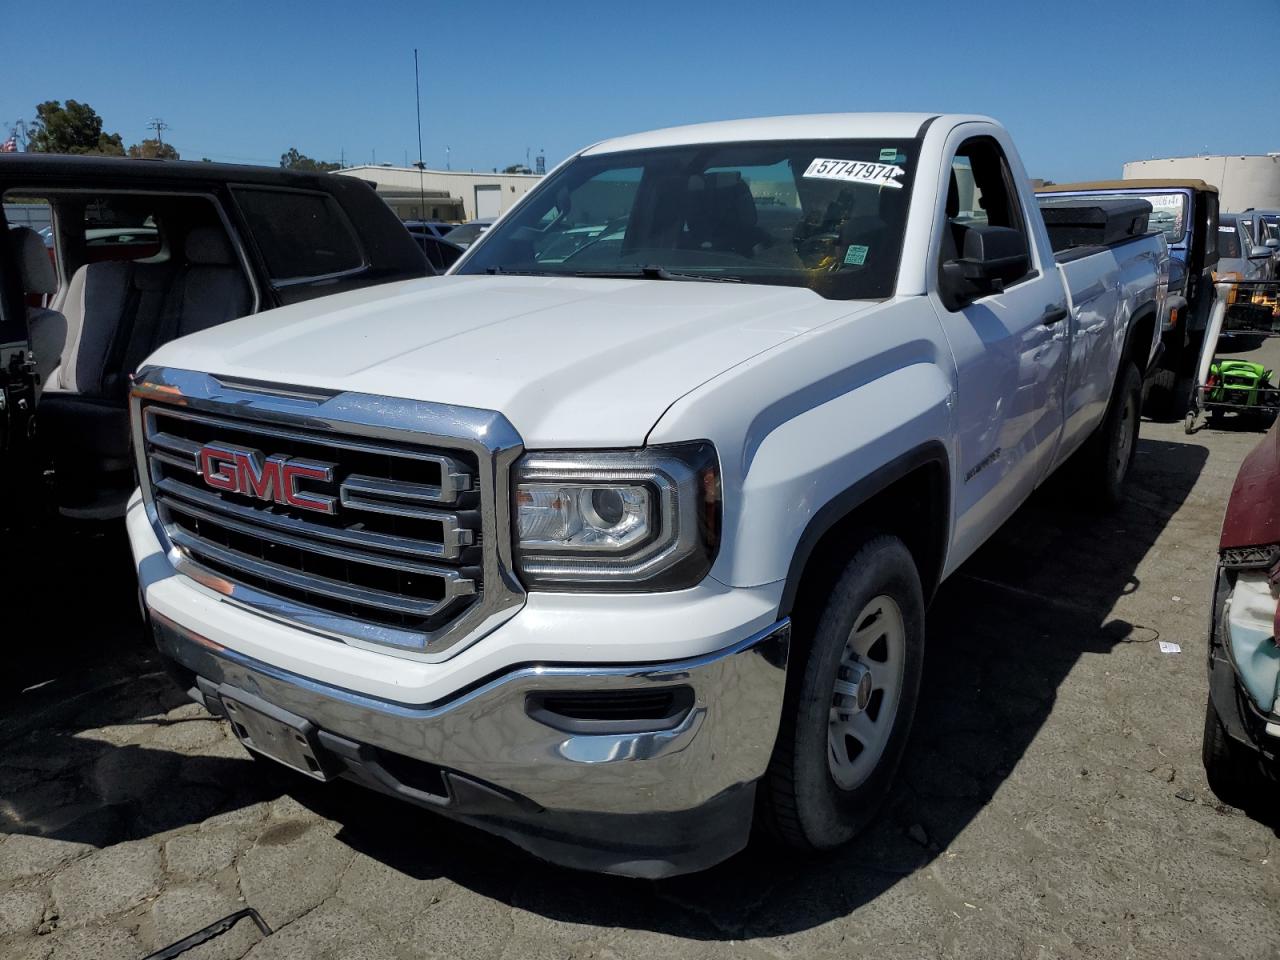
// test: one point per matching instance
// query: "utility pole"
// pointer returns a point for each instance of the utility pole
(159, 126)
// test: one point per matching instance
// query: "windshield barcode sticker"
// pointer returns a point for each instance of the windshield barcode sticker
(856, 171)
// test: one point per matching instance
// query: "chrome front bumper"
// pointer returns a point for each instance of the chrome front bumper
(670, 798)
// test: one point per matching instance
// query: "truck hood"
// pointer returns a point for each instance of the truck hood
(569, 361)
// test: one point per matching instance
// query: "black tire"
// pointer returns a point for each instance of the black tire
(1231, 769)
(1160, 399)
(1103, 464)
(802, 805)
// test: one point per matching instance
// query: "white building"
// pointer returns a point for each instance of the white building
(1242, 181)
(444, 194)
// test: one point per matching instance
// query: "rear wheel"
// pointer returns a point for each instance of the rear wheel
(1161, 396)
(1107, 457)
(847, 718)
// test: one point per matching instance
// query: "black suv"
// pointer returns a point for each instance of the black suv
(137, 253)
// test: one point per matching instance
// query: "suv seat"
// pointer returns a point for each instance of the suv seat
(46, 329)
(210, 290)
(117, 314)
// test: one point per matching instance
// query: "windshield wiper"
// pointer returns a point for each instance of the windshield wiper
(506, 272)
(653, 272)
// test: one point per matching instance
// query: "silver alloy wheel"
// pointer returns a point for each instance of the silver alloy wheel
(1128, 431)
(866, 693)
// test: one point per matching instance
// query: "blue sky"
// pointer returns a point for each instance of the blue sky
(1083, 85)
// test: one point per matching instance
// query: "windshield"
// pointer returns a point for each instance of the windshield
(1168, 214)
(823, 214)
(1228, 241)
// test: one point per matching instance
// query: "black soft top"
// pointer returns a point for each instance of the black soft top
(50, 167)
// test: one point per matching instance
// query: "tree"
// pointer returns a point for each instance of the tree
(516, 168)
(75, 128)
(153, 150)
(293, 160)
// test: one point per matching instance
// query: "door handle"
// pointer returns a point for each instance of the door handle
(1053, 315)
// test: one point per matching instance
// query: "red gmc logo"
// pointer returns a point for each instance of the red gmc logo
(274, 478)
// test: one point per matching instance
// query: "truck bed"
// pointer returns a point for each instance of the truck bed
(1091, 223)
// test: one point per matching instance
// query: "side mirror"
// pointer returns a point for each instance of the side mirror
(992, 257)
(1259, 253)
(994, 254)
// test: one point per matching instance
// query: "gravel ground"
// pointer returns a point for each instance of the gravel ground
(1052, 804)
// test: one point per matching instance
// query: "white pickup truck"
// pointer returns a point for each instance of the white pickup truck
(621, 536)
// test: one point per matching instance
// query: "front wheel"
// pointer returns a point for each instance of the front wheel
(846, 720)
(1231, 770)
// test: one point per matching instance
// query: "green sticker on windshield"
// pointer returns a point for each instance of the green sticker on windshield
(888, 154)
(856, 255)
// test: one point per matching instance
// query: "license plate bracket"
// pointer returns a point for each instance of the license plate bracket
(277, 734)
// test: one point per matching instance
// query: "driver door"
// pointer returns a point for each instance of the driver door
(1010, 350)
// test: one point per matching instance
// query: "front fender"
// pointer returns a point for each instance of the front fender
(800, 427)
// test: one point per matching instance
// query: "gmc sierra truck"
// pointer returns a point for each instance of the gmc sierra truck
(619, 537)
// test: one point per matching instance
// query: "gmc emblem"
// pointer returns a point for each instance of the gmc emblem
(274, 478)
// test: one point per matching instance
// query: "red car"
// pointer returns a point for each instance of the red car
(1242, 720)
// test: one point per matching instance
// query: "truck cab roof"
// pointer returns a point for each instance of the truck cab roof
(814, 126)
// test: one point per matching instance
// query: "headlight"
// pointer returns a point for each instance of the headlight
(628, 520)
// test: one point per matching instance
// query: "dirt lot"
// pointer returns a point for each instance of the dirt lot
(1053, 803)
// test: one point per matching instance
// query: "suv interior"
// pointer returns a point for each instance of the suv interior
(115, 277)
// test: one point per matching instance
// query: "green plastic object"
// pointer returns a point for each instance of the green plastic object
(1237, 382)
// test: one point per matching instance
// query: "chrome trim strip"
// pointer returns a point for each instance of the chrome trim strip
(358, 489)
(311, 546)
(179, 445)
(311, 583)
(244, 422)
(454, 535)
(348, 419)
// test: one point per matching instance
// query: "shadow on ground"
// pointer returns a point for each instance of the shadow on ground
(1004, 633)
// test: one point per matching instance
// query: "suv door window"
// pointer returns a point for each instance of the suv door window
(301, 235)
(120, 228)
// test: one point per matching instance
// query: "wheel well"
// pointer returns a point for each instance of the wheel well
(913, 507)
(1141, 333)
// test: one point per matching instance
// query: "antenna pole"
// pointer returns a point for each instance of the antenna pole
(417, 99)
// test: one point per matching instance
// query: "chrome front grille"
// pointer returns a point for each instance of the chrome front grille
(351, 526)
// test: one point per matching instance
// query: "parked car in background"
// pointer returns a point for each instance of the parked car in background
(1186, 213)
(434, 228)
(1240, 257)
(142, 252)
(1267, 230)
(441, 254)
(1241, 746)
(611, 547)
(467, 233)
(1244, 264)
